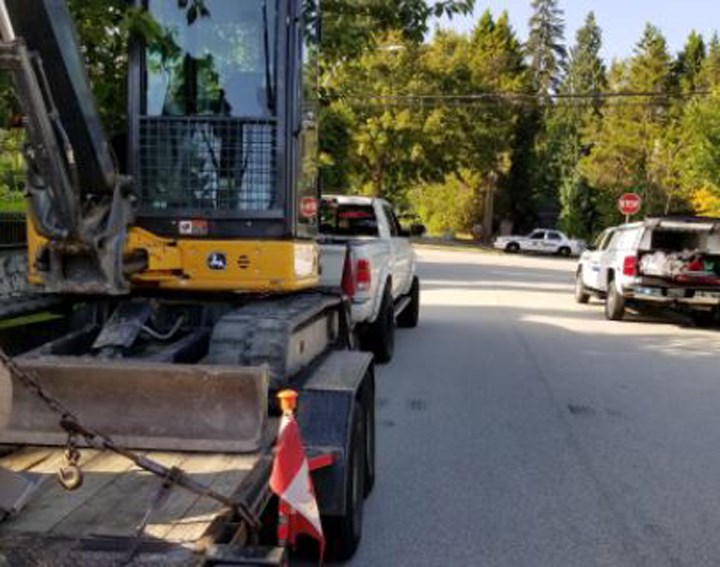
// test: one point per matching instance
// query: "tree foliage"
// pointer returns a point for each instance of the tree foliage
(396, 120)
(546, 45)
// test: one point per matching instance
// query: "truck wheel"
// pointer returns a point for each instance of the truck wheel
(410, 316)
(581, 293)
(379, 338)
(703, 319)
(565, 252)
(512, 248)
(614, 303)
(367, 401)
(345, 532)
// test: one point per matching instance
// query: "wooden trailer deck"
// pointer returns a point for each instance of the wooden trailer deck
(116, 496)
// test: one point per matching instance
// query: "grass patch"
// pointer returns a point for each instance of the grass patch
(459, 245)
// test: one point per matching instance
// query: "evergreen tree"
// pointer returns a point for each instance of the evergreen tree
(710, 72)
(586, 76)
(636, 145)
(688, 67)
(586, 72)
(545, 46)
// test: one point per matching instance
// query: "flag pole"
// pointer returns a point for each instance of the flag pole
(288, 404)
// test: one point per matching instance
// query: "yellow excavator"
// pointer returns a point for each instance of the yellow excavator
(192, 272)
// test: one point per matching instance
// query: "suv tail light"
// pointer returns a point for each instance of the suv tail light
(630, 266)
(363, 275)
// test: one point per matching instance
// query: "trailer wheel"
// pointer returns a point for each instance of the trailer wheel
(345, 532)
(409, 318)
(379, 338)
(367, 402)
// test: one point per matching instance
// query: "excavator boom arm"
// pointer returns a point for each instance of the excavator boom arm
(81, 206)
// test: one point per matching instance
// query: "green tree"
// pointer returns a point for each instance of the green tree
(586, 76)
(351, 26)
(690, 61)
(710, 72)
(636, 145)
(545, 46)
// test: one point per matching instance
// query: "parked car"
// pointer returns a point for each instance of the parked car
(386, 285)
(662, 261)
(542, 241)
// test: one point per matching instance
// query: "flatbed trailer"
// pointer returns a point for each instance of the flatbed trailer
(122, 511)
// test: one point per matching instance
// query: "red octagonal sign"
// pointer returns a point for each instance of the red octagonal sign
(309, 207)
(630, 204)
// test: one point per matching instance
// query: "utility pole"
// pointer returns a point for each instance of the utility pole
(489, 212)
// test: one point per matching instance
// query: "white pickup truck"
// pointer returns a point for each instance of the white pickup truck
(541, 241)
(386, 288)
(670, 261)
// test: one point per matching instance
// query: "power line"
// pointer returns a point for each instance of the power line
(608, 99)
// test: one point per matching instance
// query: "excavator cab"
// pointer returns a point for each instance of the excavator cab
(223, 106)
(222, 146)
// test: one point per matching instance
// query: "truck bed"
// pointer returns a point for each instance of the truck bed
(104, 514)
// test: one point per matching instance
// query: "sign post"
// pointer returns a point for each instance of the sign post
(630, 204)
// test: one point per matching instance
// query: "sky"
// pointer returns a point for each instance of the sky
(622, 21)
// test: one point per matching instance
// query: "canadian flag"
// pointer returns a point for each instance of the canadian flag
(291, 482)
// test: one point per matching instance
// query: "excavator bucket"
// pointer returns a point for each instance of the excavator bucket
(141, 406)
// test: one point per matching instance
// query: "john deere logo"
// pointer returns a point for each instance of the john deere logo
(217, 261)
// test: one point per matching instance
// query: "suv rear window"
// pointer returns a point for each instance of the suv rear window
(347, 220)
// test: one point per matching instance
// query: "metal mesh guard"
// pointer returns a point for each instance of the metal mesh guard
(201, 163)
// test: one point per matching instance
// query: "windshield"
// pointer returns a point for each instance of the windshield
(220, 61)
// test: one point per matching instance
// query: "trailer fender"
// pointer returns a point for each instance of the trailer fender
(327, 405)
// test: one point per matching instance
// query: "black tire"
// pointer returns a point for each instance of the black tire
(565, 252)
(582, 296)
(704, 319)
(512, 248)
(367, 401)
(410, 316)
(379, 338)
(614, 303)
(345, 532)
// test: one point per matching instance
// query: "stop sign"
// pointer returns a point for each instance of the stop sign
(630, 204)
(309, 207)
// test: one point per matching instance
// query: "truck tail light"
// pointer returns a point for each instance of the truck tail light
(630, 266)
(348, 280)
(363, 275)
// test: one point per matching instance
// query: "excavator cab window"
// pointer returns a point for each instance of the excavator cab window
(215, 66)
(207, 127)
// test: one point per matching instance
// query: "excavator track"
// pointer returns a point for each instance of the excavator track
(285, 334)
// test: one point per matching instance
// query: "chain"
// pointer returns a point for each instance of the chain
(71, 424)
(31, 384)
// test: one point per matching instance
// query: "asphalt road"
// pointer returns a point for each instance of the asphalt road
(517, 428)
